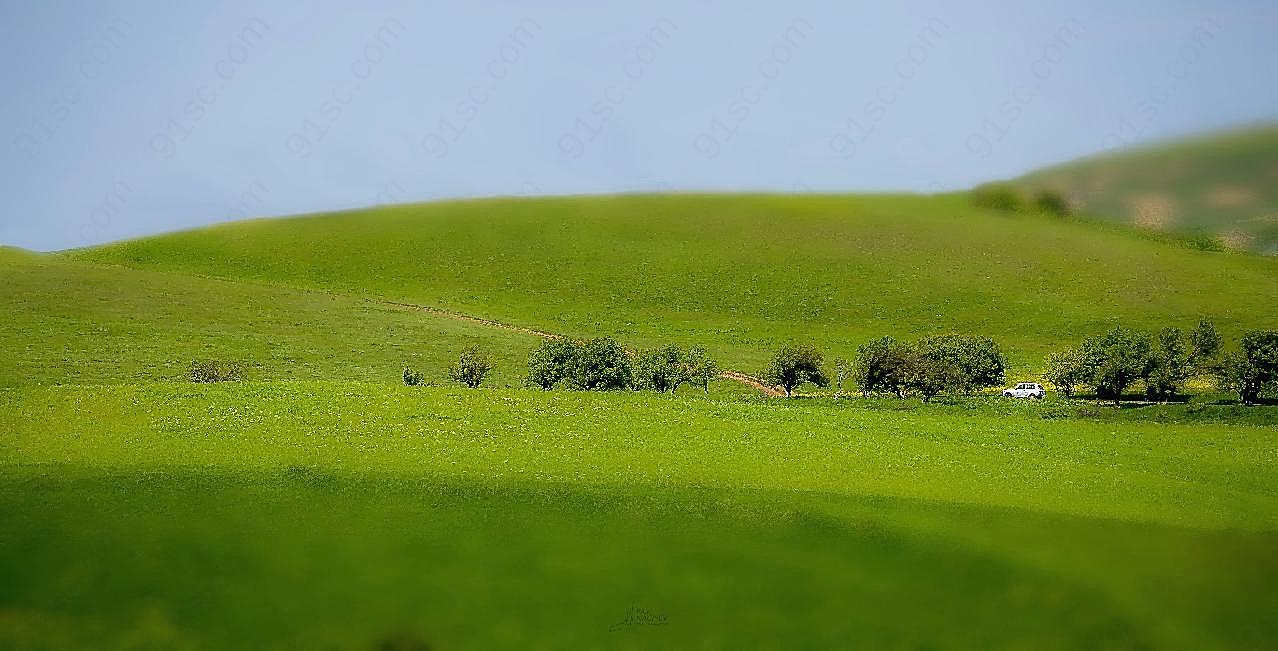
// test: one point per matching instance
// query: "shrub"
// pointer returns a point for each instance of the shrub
(794, 365)
(552, 363)
(412, 378)
(699, 368)
(997, 196)
(660, 369)
(601, 365)
(208, 371)
(1052, 201)
(471, 368)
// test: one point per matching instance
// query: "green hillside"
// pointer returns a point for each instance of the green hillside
(1223, 186)
(738, 273)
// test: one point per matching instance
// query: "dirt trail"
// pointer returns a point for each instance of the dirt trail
(735, 376)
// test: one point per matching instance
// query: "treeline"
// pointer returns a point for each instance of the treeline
(602, 364)
(927, 367)
(1164, 362)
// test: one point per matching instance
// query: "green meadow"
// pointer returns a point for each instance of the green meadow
(322, 504)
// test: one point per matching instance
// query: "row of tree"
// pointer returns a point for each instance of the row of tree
(602, 364)
(1165, 362)
(953, 363)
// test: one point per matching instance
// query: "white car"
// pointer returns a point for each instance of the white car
(1026, 390)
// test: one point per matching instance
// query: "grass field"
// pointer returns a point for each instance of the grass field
(323, 505)
(333, 515)
(1221, 185)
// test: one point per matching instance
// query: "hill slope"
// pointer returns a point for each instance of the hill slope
(1222, 185)
(738, 273)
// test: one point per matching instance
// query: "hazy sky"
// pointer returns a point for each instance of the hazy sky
(125, 118)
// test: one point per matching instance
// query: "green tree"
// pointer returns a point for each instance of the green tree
(793, 365)
(699, 368)
(660, 369)
(932, 367)
(1170, 365)
(471, 368)
(601, 365)
(552, 363)
(879, 366)
(1254, 368)
(1067, 369)
(1205, 345)
(978, 360)
(1117, 359)
(842, 372)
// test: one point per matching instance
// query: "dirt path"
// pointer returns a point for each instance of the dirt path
(735, 376)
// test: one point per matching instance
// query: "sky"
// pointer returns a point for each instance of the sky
(127, 118)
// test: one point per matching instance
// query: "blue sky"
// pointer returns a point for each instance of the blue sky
(127, 118)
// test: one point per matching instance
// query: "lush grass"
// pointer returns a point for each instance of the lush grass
(1220, 185)
(73, 322)
(332, 515)
(740, 274)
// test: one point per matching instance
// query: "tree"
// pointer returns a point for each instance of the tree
(1255, 367)
(470, 368)
(601, 365)
(1204, 344)
(412, 378)
(699, 368)
(660, 369)
(1117, 359)
(879, 366)
(932, 367)
(977, 360)
(793, 365)
(551, 363)
(1170, 365)
(1068, 369)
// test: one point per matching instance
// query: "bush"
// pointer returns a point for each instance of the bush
(471, 368)
(1052, 202)
(997, 196)
(412, 378)
(794, 365)
(552, 363)
(208, 371)
(601, 365)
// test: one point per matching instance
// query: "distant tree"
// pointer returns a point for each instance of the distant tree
(978, 359)
(1252, 369)
(601, 365)
(842, 371)
(1068, 369)
(931, 368)
(699, 368)
(552, 363)
(997, 196)
(660, 369)
(1052, 201)
(471, 368)
(1204, 345)
(794, 365)
(412, 378)
(879, 366)
(1116, 359)
(210, 371)
(1170, 365)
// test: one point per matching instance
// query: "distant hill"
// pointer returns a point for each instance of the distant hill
(1222, 185)
(740, 274)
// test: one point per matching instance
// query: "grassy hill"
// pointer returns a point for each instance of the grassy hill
(738, 273)
(1223, 186)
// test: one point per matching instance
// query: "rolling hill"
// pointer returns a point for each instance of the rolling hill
(1223, 186)
(740, 274)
